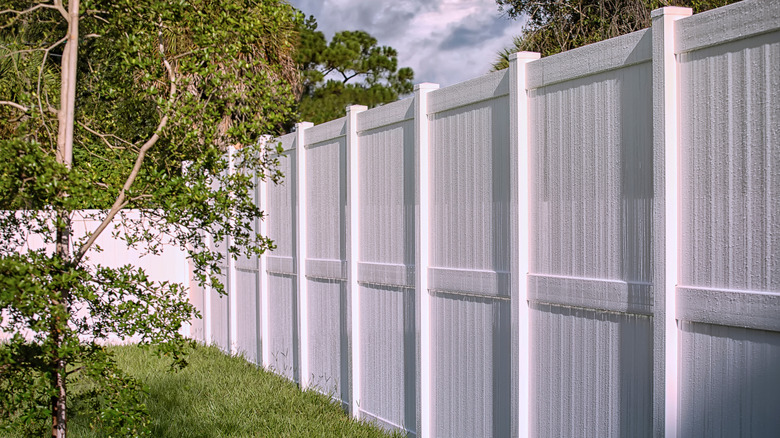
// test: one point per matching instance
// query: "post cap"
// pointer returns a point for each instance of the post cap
(524, 55)
(676, 11)
(356, 108)
(426, 86)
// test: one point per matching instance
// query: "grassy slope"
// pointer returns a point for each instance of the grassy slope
(221, 396)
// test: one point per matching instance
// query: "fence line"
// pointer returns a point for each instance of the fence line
(581, 245)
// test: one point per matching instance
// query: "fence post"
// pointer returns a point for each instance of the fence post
(207, 292)
(520, 234)
(262, 261)
(666, 107)
(422, 140)
(186, 327)
(230, 277)
(353, 252)
(300, 252)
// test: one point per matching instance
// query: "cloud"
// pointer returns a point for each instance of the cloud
(309, 7)
(473, 31)
(381, 19)
(444, 41)
(456, 42)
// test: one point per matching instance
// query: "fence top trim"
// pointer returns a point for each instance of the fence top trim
(489, 86)
(611, 54)
(389, 114)
(331, 130)
(726, 24)
(287, 141)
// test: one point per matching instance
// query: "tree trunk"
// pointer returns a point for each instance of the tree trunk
(66, 119)
(59, 418)
(67, 111)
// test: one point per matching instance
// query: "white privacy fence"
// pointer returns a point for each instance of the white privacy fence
(582, 245)
(170, 264)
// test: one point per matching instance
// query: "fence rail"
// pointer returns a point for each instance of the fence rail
(582, 245)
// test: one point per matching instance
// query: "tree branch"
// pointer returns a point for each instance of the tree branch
(346, 78)
(15, 105)
(39, 49)
(75, 370)
(327, 71)
(121, 201)
(28, 10)
(18, 52)
(188, 53)
(58, 6)
(31, 9)
(105, 136)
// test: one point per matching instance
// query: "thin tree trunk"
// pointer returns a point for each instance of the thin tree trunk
(66, 119)
(67, 111)
(57, 332)
(59, 412)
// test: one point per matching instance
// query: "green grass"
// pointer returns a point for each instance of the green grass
(222, 396)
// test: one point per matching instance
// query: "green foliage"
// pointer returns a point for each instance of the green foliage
(231, 78)
(558, 25)
(349, 55)
(216, 396)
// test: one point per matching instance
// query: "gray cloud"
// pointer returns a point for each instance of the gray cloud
(470, 32)
(308, 7)
(443, 51)
(383, 20)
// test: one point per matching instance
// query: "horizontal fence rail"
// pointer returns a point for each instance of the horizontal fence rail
(582, 245)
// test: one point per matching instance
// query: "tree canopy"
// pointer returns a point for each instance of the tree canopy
(350, 69)
(113, 106)
(555, 26)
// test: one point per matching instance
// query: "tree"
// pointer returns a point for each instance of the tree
(350, 55)
(102, 103)
(555, 26)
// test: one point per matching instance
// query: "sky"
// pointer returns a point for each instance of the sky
(443, 41)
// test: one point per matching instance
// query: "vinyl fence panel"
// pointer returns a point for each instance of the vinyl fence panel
(729, 270)
(328, 298)
(386, 267)
(590, 258)
(248, 314)
(469, 272)
(584, 245)
(282, 269)
(217, 306)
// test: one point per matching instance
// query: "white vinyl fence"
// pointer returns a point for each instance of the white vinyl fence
(585, 245)
(170, 265)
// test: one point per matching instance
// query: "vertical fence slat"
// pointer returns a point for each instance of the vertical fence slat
(353, 249)
(207, 292)
(262, 267)
(520, 233)
(231, 279)
(665, 147)
(422, 140)
(300, 253)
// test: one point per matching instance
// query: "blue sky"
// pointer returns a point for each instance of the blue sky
(444, 41)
